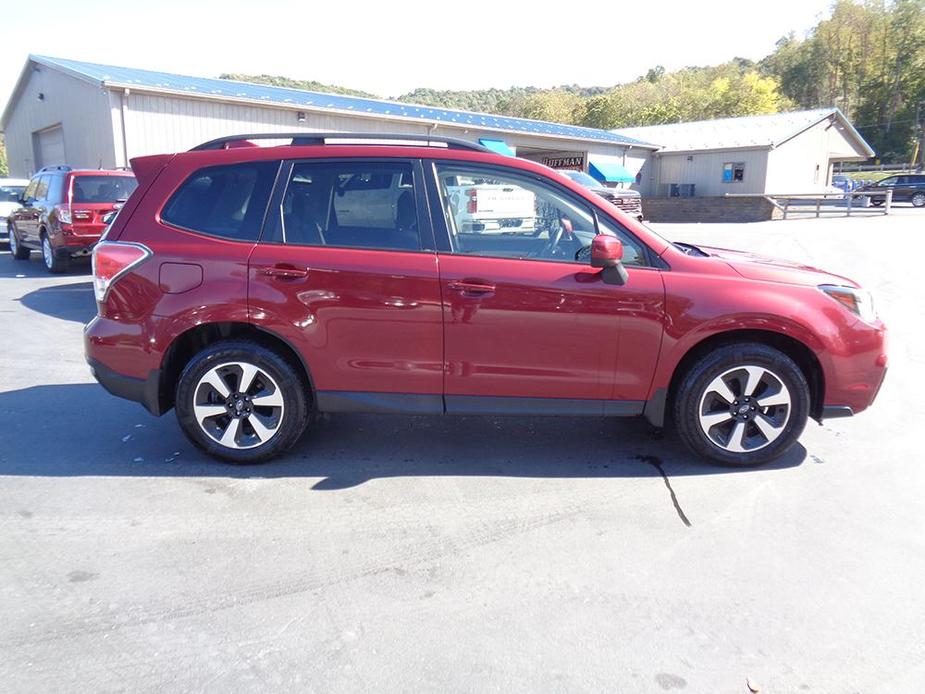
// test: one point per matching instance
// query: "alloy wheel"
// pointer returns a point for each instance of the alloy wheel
(745, 409)
(47, 253)
(14, 244)
(239, 405)
(918, 200)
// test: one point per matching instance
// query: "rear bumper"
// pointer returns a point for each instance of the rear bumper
(835, 412)
(121, 360)
(74, 251)
(141, 390)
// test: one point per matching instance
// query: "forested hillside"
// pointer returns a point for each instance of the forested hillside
(867, 57)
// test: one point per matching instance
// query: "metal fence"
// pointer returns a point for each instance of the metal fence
(827, 204)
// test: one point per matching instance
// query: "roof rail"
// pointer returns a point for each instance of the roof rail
(59, 167)
(395, 139)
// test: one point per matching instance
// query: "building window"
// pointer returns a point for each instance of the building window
(734, 172)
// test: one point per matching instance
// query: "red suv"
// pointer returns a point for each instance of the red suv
(249, 287)
(64, 213)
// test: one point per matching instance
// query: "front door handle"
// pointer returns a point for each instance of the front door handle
(286, 272)
(472, 287)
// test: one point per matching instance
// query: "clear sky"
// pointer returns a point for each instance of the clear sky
(392, 47)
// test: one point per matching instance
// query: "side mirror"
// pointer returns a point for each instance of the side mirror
(607, 253)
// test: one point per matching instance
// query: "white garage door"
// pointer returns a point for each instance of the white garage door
(51, 147)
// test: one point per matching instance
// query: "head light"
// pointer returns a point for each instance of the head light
(858, 301)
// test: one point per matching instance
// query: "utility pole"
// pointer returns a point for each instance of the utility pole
(920, 124)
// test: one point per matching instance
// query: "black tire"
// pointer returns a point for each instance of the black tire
(877, 202)
(918, 200)
(696, 403)
(291, 419)
(53, 263)
(16, 248)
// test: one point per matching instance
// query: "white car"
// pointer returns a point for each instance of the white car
(11, 190)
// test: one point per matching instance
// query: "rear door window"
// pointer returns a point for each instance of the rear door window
(226, 201)
(350, 205)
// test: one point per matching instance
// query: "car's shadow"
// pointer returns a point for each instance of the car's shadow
(80, 430)
(34, 267)
(70, 301)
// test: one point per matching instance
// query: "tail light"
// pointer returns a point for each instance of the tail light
(111, 260)
(473, 204)
(64, 213)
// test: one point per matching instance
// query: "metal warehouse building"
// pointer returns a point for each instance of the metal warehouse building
(99, 116)
(778, 153)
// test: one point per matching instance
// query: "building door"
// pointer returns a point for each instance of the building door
(49, 147)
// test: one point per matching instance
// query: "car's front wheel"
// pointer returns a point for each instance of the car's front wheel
(742, 404)
(918, 200)
(241, 402)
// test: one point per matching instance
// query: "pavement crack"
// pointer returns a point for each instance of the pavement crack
(657, 464)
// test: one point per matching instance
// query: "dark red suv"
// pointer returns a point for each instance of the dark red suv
(63, 213)
(249, 287)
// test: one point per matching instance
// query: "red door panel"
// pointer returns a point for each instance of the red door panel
(363, 320)
(545, 329)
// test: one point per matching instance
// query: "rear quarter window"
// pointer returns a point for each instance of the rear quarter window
(225, 201)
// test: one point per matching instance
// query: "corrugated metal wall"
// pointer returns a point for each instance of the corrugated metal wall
(107, 127)
(803, 164)
(705, 171)
(156, 123)
(80, 108)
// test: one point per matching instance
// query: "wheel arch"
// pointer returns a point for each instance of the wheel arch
(188, 343)
(663, 399)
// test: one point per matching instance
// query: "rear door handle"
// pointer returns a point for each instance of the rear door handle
(286, 272)
(472, 287)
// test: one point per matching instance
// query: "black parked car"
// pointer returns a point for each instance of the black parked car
(906, 188)
(630, 201)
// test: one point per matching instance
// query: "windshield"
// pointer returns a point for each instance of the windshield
(103, 188)
(11, 193)
(582, 178)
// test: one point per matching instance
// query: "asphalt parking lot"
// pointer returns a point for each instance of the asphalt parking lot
(461, 554)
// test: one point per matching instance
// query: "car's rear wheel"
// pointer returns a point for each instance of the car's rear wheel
(53, 264)
(918, 200)
(16, 248)
(241, 402)
(877, 202)
(742, 404)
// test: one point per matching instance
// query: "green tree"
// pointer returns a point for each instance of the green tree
(4, 168)
(555, 106)
(867, 58)
(689, 94)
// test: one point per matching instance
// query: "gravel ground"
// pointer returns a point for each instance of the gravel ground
(460, 554)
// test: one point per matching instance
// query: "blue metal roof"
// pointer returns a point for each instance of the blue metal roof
(218, 88)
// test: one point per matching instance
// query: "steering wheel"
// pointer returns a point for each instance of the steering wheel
(565, 226)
